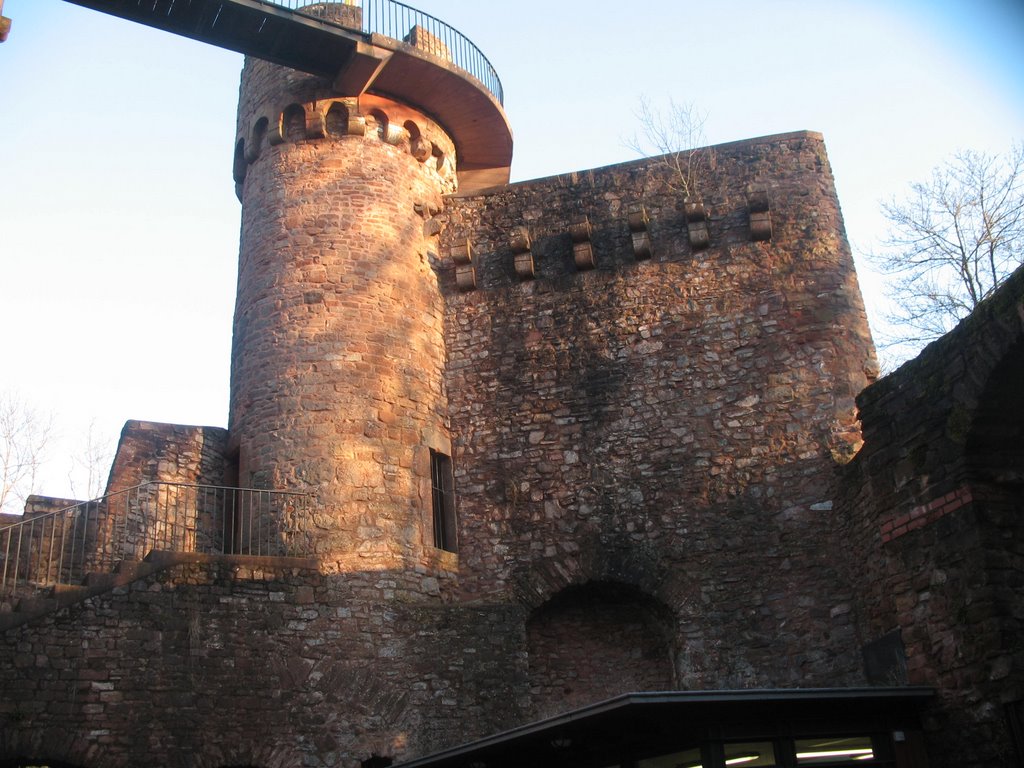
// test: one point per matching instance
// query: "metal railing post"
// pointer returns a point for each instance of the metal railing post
(177, 516)
(393, 19)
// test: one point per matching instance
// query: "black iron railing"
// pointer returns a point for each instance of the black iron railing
(402, 22)
(92, 537)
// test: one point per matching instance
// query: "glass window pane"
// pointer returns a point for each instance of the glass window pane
(850, 750)
(750, 754)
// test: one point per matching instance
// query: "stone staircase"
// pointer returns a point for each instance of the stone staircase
(18, 610)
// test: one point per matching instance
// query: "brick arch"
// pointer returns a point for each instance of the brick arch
(594, 641)
(932, 417)
(936, 511)
(598, 558)
(995, 469)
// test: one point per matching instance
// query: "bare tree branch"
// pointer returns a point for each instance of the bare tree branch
(90, 465)
(676, 137)
(24, 435)
(952, 242)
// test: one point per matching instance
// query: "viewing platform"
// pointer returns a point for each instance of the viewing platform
(378, 46)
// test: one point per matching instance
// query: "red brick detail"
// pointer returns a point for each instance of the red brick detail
(925, 514)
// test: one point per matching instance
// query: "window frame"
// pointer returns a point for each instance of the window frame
(442, 502)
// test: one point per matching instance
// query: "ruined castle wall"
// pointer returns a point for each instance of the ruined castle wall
(932, 517)
(673, 423)
(154, 452)
(217, 663)
(645, 457)
(151, 502)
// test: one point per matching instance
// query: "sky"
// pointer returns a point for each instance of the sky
(119, 223)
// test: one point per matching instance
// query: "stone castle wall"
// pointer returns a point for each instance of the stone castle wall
(932, 517)
(256, 663)
(645, 456)
(672, 423)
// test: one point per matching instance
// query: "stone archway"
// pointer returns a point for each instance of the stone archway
(595, 641)
(994, 459)
(995, 444)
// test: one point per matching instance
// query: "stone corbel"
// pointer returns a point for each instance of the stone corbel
(356, 125)
(316, 124)
(433, 227)
(697, 225)
(356, 122)
(420, 148)
(253, 146)
(582, 248)
(465, 272)
(275, 131)
(395, 135)
(760, 215)
(523, 255)
(638, 228)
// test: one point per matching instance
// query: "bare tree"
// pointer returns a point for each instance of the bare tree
(90, 465)
(676, 137)
(952, 242)
(24, 435)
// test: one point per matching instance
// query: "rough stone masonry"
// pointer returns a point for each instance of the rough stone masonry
(651, 408)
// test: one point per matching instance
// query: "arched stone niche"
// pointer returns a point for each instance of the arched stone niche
(595, 641)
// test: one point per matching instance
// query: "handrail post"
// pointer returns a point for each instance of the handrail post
(394, 19)
(178, 516)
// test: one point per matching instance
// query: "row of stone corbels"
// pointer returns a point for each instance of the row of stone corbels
(335, 118)
(758, 210)
(581, 234)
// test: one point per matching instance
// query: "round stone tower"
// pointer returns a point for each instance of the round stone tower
(338, 356)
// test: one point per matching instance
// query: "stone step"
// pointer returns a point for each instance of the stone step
(67, 594)
(37, 605)
(99, 579)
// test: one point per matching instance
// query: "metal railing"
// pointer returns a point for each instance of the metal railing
(402, 22)
(61, 547)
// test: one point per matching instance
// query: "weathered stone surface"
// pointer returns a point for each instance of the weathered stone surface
(338, 351)
(651, 411)
(933, 519)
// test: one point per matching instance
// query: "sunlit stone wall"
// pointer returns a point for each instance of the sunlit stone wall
(338, 357)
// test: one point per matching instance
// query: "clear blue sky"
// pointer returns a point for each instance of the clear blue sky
(119, 221)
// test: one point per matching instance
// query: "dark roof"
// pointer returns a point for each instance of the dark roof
(638, 725)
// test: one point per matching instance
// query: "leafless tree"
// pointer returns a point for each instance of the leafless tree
(952, 242)
(676, 137)
(24, 434)
(90, 465)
